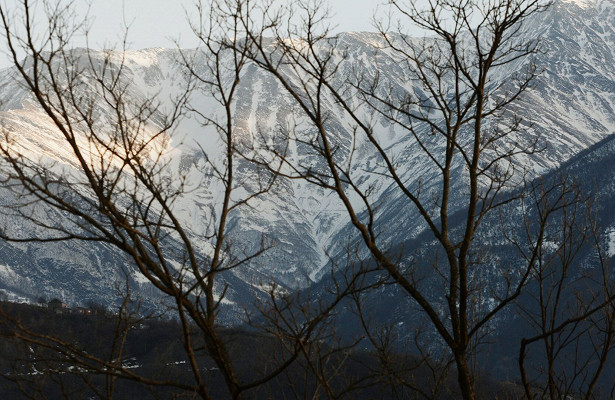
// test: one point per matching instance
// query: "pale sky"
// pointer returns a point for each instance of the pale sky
(155, 22)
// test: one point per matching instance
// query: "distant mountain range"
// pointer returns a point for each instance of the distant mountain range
(570, 108)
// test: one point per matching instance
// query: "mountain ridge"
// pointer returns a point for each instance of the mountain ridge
(571, 106)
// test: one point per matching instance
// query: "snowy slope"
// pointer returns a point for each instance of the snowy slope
(570, 107)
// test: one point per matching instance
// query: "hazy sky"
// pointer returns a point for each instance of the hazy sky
(155, 22)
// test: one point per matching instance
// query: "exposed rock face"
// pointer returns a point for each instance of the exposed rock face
(571, 106)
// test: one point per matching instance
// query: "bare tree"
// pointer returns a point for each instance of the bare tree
(571, 303)
(120, 185)
(460, 123)
(452, 115)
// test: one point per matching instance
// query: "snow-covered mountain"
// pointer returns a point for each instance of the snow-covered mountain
(570, 107)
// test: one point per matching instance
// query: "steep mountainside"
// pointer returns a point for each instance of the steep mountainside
(570, 107)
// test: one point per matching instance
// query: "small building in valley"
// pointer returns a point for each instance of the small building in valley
(82, 311)
(57, 306)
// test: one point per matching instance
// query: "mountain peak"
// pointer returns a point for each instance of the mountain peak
(582, 3)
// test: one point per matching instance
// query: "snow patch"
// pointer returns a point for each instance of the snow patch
(582, 3)
(611, 242)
